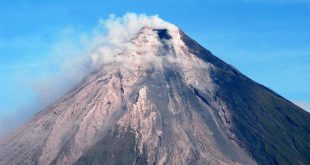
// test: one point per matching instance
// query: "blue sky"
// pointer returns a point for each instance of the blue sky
(267, 41)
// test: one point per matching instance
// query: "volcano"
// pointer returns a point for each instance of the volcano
(163, 99)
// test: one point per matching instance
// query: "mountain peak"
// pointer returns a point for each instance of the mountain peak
(162, 33)
(161, 98)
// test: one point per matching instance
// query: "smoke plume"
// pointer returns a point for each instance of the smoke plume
(76, 54)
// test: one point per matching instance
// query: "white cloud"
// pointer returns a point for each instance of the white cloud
(5, 126)
(303, 105)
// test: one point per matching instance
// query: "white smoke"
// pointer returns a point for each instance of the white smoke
(78, 57)
(120, 30)
(76, 54)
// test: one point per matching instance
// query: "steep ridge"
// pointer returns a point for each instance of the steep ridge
(170, 102)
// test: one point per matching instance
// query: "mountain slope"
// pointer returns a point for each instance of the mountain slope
(273, 130)
(164, 99)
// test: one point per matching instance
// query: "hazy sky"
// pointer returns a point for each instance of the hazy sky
(267, 41)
